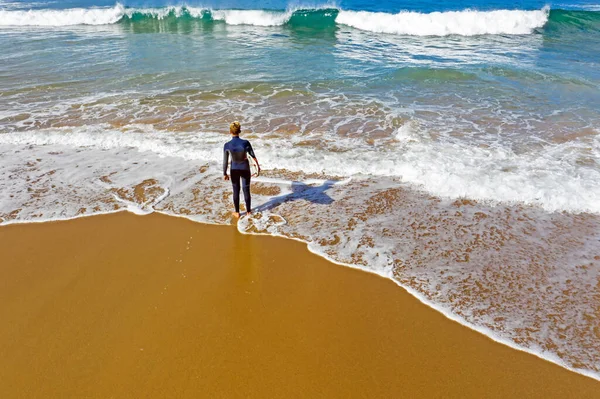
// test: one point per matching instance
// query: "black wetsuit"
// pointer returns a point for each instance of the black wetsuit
(237, 149)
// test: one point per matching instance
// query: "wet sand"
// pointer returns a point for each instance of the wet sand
(126, 306)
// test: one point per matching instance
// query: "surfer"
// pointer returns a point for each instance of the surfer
(238, 149)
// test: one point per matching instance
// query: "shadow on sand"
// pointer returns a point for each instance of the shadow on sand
(314, 194)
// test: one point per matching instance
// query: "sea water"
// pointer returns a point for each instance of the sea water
(453, 147)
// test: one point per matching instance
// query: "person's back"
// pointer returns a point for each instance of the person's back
(238, 150)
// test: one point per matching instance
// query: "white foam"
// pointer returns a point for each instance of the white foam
(68, 17)
(91, 16)
(100, 138)
(163, 12)
(465, 23)
(252, 17)
(406, 133)
(549, 176)
(104, 16)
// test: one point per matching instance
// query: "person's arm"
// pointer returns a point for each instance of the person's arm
(250, 152)
(225, 162)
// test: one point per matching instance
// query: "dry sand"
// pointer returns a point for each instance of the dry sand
(122, 306)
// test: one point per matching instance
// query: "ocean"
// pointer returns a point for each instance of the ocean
(453, 147)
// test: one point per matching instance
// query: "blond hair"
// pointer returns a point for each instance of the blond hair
(235, 128)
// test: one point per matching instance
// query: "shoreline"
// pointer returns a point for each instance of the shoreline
(275, 287)
(444, 312)
(412, 292)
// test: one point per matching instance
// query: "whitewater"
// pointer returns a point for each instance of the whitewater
(466, 23)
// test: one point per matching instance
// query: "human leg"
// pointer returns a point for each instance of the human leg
(235, 183)
(246, 188)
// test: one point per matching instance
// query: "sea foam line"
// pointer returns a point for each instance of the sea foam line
(313, 249)
(424, 300)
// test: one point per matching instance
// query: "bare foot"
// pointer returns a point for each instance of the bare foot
(249, 213)
(235, 215)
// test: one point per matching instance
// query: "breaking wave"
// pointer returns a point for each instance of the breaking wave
(464, 23)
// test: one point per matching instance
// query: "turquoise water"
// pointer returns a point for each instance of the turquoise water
(458, 142)
(538, 64)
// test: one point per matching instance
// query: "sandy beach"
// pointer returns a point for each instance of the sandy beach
(126, 306)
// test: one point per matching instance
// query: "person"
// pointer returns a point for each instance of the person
(238, 149)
